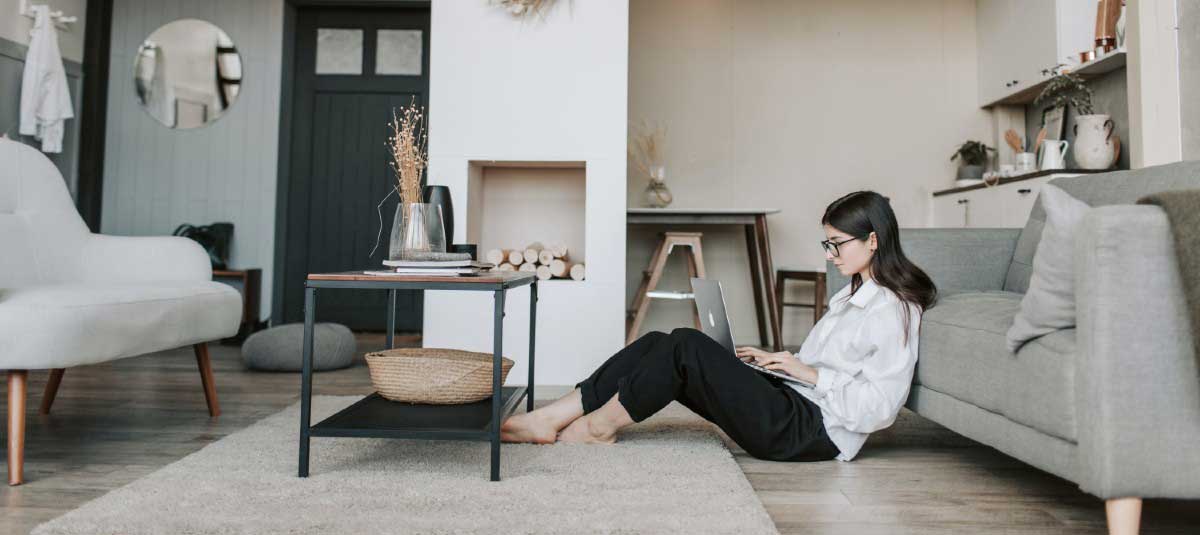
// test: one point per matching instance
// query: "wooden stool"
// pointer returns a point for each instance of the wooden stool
(650, 278)
(818, 280)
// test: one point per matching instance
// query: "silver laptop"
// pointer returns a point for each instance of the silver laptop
(714, 321)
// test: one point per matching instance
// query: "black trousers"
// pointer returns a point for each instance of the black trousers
(761, 413)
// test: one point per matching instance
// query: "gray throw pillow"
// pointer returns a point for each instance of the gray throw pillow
(1049, 304)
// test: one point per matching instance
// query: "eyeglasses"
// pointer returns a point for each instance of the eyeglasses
(831, 247)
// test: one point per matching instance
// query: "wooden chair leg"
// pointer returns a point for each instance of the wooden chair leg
(51, 389)
(819, 298)
(1124, 515)
(206, 378)
(657, 263)
(695, 265)
(16, 426)
(779, 282)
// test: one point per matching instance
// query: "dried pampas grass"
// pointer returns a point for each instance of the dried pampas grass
(408, 145)
(647, 143)
(525, 8)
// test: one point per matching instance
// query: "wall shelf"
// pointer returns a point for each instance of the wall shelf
(1109, 62)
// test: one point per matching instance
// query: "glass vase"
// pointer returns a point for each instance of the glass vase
(657, 194)
(416, 228)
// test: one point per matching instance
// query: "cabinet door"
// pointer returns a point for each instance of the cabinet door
(1018, 199)
(992, 22)
(1016, 40)
(1033, 42)
(1076, 28)
(949, 211)
(984, 208)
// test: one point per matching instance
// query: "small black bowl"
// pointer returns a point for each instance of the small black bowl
(471, 248)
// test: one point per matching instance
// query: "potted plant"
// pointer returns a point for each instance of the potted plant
(973, 156)
(1094, 146)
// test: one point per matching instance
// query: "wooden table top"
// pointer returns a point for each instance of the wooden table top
(701, 211)
(486, 277)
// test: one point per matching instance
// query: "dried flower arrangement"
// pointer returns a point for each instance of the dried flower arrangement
(525, 8)
(646, 145)
(408, 146)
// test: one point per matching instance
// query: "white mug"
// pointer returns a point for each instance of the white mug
(1026, 162)
(1054, 153)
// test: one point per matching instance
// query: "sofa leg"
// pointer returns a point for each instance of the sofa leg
(206, 379)
(51, 389)
(16, 426)
(1124, 515)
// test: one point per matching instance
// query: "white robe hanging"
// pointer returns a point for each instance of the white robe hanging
(45, 98)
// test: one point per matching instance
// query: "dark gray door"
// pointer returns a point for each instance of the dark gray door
(352, 68)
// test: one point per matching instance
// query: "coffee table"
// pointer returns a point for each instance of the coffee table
(376, 417)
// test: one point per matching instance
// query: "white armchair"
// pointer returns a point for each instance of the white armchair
(69, 297)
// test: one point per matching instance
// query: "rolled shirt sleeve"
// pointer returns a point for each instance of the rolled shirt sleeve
(869, 399)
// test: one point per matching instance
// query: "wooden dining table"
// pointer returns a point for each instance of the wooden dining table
(758, 249)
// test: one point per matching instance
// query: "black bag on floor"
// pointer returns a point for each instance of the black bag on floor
(214, 238)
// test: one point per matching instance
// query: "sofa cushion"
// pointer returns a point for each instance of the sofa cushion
(64, 325)
(1049, 305)
(962, 354)
(1116, 187)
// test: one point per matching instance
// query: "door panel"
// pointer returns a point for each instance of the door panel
(948, 212)
(343, 97)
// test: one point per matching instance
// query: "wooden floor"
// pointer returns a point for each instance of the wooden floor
(116, 422)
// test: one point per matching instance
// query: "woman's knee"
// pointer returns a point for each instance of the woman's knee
(653, 336)
(686, 333)
(687, 342)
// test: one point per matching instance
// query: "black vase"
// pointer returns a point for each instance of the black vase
(440, 196)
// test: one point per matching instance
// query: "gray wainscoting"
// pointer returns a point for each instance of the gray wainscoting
(12, 67)
(156, 178)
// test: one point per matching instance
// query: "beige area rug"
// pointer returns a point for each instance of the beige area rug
(669, 474)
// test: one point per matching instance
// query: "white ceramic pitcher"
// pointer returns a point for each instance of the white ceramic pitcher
(1054, 154)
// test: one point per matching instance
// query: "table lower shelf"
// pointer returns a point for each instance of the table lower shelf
(376, 417)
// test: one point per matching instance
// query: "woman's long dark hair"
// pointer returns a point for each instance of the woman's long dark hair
(859, 214)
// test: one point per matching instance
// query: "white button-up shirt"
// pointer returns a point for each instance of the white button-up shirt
(864, 367)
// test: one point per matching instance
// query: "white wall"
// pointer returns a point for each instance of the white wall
(554, 90)
(70, 42)
(791, 104)
(1155, 127)
(156, 178)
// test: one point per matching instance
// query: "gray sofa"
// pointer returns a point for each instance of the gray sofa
(1113, 404)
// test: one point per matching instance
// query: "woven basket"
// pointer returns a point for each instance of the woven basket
(434, 376)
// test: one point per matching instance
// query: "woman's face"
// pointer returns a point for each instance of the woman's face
(853, 256)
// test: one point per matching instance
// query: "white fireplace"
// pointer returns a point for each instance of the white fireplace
(528, 128)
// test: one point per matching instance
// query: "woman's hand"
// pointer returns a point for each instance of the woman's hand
(754, 354)
(783, 362)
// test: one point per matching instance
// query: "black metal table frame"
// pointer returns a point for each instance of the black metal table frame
(499, 409)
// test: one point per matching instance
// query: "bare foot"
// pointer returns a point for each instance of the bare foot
(527, 427)
(583, 431)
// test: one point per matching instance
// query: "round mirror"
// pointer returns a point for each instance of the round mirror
(187, 73)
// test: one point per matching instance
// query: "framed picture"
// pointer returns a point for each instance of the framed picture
(1052, 121)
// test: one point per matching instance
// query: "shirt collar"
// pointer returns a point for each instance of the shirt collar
(864, 294)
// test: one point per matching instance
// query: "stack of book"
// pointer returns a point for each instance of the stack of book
(432, 268)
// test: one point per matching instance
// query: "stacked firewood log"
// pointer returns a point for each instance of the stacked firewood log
(548, 262)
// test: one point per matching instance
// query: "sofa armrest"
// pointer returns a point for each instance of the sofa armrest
(143, 259)
(957, 259)
(1137, 390)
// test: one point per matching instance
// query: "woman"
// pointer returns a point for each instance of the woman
(860, 356)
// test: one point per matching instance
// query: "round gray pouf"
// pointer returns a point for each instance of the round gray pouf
(279, 349)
